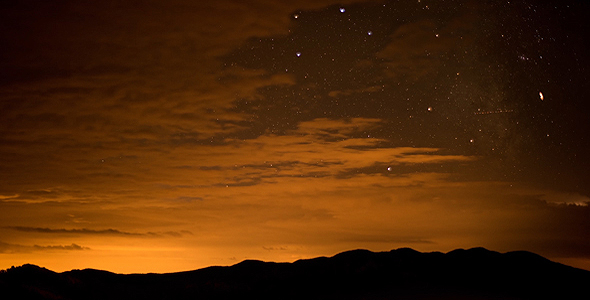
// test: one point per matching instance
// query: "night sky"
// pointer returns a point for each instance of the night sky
(160, 136)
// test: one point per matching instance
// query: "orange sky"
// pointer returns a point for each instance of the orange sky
(147, 138)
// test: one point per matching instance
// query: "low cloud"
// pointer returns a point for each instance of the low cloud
(85, 231)
(72, 231)
(60, 247)
(7, 248)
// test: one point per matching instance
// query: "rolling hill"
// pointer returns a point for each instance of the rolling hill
(359, 274)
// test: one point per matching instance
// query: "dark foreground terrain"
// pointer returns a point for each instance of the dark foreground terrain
(399, 274)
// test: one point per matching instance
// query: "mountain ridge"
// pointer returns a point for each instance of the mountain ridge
(475, 273)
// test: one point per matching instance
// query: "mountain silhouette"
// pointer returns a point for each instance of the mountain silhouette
(359, 274)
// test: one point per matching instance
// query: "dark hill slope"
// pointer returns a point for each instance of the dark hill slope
(360, 274)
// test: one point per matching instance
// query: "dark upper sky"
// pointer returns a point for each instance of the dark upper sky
(181, 134)
(465, 77)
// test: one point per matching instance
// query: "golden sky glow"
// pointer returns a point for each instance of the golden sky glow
(175, 135)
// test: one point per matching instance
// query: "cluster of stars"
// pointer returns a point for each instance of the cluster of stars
(340, 58)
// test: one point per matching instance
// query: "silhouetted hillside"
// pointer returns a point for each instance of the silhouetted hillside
(360, 274)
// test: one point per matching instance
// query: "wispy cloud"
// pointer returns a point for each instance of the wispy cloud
(7, 248)
(71, 231)
(85, 231)
(61, 247)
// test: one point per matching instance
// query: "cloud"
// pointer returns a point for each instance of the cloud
(563, 198)
(336, 128)
(74, 231)
(274, 248)
(7, 248)
(60, 247)
(135, 92)
(317, 148)
(85, 231)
